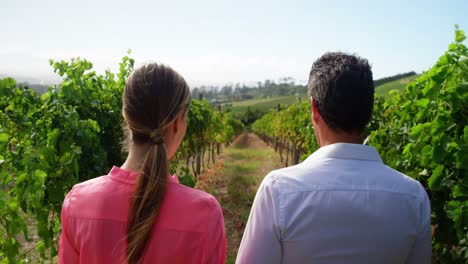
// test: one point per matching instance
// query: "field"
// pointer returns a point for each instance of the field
(262, 104)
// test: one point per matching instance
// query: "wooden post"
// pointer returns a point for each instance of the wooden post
(294, 154)
(298, 155)
(198, 162)
(203, 163)
(194, 169)
(280, 148)
(209, 155)
(213, 153)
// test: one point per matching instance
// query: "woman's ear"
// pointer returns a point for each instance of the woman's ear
(178, 121)
(175, 125)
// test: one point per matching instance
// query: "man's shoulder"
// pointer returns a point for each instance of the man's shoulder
(288, 179)
(281, 175)
(406, 184)
(321, 176)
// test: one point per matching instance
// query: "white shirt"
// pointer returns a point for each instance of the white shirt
(341, 205)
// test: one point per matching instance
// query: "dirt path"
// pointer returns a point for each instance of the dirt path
(234, 180)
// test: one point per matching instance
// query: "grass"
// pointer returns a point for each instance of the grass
(244, 176)
(398, 85)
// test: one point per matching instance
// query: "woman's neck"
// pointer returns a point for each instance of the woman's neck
(136, 157)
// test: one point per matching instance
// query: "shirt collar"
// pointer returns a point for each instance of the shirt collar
(127, 176)
(346, 151)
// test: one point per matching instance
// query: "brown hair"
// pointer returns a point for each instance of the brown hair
(153, 97)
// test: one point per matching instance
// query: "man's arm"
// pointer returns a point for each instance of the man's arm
(261, 240)
(422, 248)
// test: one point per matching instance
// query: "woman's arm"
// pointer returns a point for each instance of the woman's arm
(215, 246)
(67, 252)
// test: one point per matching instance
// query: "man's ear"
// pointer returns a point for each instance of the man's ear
(314, 111)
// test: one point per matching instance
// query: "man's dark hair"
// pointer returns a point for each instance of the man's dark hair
(343, 89)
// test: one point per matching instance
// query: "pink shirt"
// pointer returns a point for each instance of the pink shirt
(189, 228)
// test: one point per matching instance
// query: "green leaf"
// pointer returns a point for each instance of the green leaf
(439, 144)
(94, 125)
(41, 175)
(422, 102)
(460, 191)
(436, 178)
(52, 137)
(432, 88)
(407, 149)
(453, 209)
(459, 35)
(426, 155)
(4, 138)
(438, 125)
(12, 205)
(416, 130)
(452, 146)
(465, 134)
(66, 159)
(45, 96)
(40, 247)
(461, 159)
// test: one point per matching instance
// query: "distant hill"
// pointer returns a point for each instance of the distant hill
(259, 106)
(262, 105)
(23, 79)
(39, 88)
(263, 96)
(397, 84)
(32, 83)
(393, 78)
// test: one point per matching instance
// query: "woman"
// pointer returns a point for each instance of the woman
(139, 213)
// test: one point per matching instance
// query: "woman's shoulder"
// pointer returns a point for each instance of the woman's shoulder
(188, 209)
(89, 186)
(192, 196)
(87, 199)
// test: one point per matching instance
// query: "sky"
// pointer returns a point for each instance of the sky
(220, 42)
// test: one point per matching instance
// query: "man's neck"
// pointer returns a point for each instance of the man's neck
(333, 138)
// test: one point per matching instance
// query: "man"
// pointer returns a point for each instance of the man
(342, 204)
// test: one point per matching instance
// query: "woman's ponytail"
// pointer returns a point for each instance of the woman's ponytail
(146, 202)
(153, 97)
